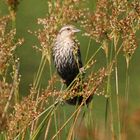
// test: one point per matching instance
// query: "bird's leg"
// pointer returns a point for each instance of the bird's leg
(63, 81)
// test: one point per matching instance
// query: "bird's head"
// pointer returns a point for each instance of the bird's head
(68, 31)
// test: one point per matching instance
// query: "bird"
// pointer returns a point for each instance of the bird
(67, 59)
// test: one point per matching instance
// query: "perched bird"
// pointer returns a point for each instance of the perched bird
(67, 58)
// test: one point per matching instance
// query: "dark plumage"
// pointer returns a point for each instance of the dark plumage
(67, 58)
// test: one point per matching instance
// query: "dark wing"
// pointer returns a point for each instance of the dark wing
(79, 58)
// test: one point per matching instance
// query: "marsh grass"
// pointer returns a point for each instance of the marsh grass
(41, 115)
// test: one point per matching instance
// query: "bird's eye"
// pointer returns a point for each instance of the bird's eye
(68, 29)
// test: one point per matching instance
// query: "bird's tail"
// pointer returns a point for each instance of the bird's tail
(76, 86)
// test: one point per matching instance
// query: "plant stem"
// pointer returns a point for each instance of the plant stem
(89, 43)
(117, 91)
(108, 93)
(39, 72)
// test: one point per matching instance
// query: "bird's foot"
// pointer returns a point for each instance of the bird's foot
(63, 81)
(82, 70)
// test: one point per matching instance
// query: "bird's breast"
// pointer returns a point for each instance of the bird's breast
(64, 59)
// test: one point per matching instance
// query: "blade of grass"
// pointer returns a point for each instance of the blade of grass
(71, 132)
(117, 87)
(108, 92)
(42, 113)
(47, 129)
(67, 121)
(42, 124)
(39, 72)
(89, 44)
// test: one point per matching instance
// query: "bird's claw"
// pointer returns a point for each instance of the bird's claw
(82, 70)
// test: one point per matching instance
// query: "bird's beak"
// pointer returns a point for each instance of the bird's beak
(76, 30)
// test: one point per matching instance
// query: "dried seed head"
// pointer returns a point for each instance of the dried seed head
(7, 44)
(13, 4)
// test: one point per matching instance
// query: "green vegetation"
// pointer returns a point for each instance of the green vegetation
(32, 105)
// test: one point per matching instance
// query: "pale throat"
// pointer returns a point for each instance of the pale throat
(66, 41)
(67, 46)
